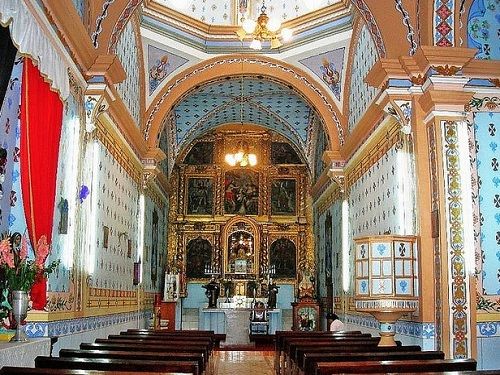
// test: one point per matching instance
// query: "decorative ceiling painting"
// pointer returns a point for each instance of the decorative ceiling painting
(328, 67)
(161, 63)
(251, 100)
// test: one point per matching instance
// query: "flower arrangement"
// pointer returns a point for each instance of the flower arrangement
(19, 272)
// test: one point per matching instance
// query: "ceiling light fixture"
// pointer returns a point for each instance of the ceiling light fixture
(264, 29)
(241, 154)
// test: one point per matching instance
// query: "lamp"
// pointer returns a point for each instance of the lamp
(241, 154)
(264, 29)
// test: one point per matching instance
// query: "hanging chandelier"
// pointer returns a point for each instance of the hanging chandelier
(264, 29)
(241, 154)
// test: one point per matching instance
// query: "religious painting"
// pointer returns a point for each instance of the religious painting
(241, 192)
(283, 197)
(201, 153)
(200, 196)
(160, 64)
(198, 257)
(328, 247)
(283, 153)
(282, 259)
(154, 248)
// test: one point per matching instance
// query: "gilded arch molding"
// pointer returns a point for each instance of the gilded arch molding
(332, 119)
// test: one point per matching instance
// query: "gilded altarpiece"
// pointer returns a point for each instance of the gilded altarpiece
(249, 216)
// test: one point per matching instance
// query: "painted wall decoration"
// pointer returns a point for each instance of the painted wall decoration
(129, 89)
(487, 142)
(160, 64)
(283, 153)
(241, 192)
(360, 94)
(198, 256)
(201, 153)
(328, 67)
(283, 196)
(282, 258)
(444, 21)
(482, 29)
(200, 196)
(321, 146)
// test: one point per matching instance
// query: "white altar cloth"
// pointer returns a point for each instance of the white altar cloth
(23, 354)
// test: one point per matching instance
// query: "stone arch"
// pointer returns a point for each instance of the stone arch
(232, 65)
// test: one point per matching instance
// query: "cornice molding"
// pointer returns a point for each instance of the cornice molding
(108, 66)
(444, 100)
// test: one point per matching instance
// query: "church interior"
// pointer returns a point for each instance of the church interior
(251, 167)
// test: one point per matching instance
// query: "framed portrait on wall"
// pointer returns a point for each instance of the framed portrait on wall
(199, 196)
(105, 237)
(283, 196)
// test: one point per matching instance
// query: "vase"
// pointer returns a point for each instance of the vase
(19, 310)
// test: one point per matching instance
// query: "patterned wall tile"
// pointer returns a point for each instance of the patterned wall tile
(160, 64)
(482, 29)
(328, 67)
(487, 142)
(373, 200)
(117, 205)
(360, 94)
(9, 152)
(128, 54)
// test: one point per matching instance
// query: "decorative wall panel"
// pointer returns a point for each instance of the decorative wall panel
(360, 94)
(321, 145)
(129, 89)
(160, 64)
(444, 23)
(482, 29)
(154, 255)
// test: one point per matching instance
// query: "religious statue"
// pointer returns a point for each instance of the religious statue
(272, 293)
(306, 285)
(212, 293)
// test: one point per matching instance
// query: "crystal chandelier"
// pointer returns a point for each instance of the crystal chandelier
(264, 29)
(241, 154)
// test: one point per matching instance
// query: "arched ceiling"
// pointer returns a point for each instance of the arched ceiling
(246, 100)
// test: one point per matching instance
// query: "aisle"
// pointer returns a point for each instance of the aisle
(234, 362)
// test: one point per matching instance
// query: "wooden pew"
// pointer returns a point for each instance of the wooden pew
(281, 335)
(290, 344)
(11, 370)
(179, 355)
(310, 359)
(218, 337)
(302, 351)
(371, 367)
(188, 367)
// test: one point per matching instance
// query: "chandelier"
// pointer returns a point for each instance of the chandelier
(264, 29)
(241, 154)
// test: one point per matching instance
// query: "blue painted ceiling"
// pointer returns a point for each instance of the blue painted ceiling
(247, 100)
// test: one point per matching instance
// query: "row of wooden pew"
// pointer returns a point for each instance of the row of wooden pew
(325, 353)
(132, 351)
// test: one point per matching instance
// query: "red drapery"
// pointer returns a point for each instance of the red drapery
(41, 118)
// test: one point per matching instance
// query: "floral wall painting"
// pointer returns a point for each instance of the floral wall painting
(241, 194)
(160, 64)
(282, 258)
(283, 153)
(198, 256)
(328, 67)
(200, 196)
(283, 197)
(201, 153)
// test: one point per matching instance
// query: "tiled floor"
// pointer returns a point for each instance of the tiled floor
(234, 362)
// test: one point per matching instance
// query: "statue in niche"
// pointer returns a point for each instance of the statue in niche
(240, 252)
(212, 292)
(306, 285)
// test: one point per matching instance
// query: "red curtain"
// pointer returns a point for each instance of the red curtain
(41, 118)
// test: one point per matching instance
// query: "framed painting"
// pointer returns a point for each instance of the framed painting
(283, 153)
(201, 153)
(105, 237)
(282, 259)
(241, 192)
(283, 197)
(200, 196)
(198, 257)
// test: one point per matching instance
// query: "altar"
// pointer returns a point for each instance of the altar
(233, 319)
